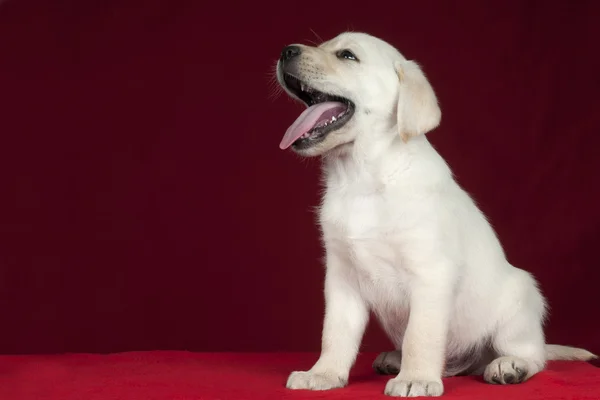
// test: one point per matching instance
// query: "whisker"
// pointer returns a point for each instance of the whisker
(317, 36)
(275, 88)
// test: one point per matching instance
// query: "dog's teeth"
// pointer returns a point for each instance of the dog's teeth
(333, 119)
(302, 87)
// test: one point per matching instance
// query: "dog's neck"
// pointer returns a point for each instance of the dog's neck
(385, 161)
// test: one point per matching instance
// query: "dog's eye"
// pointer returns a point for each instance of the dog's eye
(346, 54)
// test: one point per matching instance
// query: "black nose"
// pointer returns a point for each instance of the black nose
(290, 52)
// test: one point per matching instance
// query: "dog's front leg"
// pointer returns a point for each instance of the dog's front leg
(424, 345)
(346, 317)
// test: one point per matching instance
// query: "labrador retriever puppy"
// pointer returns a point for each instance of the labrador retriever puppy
(402, 238)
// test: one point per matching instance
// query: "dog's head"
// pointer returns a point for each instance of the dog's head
(350, 85)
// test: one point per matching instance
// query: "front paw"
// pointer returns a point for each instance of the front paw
(413, 388)
(314, 381)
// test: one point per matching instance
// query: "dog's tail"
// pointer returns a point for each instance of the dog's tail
(556, 352)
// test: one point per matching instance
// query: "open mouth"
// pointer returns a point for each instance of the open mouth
(325, 114)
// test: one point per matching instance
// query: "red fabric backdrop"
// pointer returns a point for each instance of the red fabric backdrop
(145, 202)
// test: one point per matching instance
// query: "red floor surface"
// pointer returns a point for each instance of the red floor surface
(183, 375)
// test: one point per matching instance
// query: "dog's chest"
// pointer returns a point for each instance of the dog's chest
(354, 217)
(360, 227)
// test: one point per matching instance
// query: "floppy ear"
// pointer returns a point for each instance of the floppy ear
(418, 109)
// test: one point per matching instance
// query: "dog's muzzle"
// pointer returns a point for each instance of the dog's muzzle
(325, 113)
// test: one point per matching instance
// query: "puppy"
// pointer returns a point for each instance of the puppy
(402, 239)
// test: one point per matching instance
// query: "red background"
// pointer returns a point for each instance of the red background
(145, 202)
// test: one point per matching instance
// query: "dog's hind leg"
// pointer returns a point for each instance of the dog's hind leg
(388, 363)
(519, 340)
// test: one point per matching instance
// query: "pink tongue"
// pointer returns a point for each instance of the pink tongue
(312, 116)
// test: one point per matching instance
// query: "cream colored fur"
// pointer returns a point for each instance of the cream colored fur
(404, 240)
